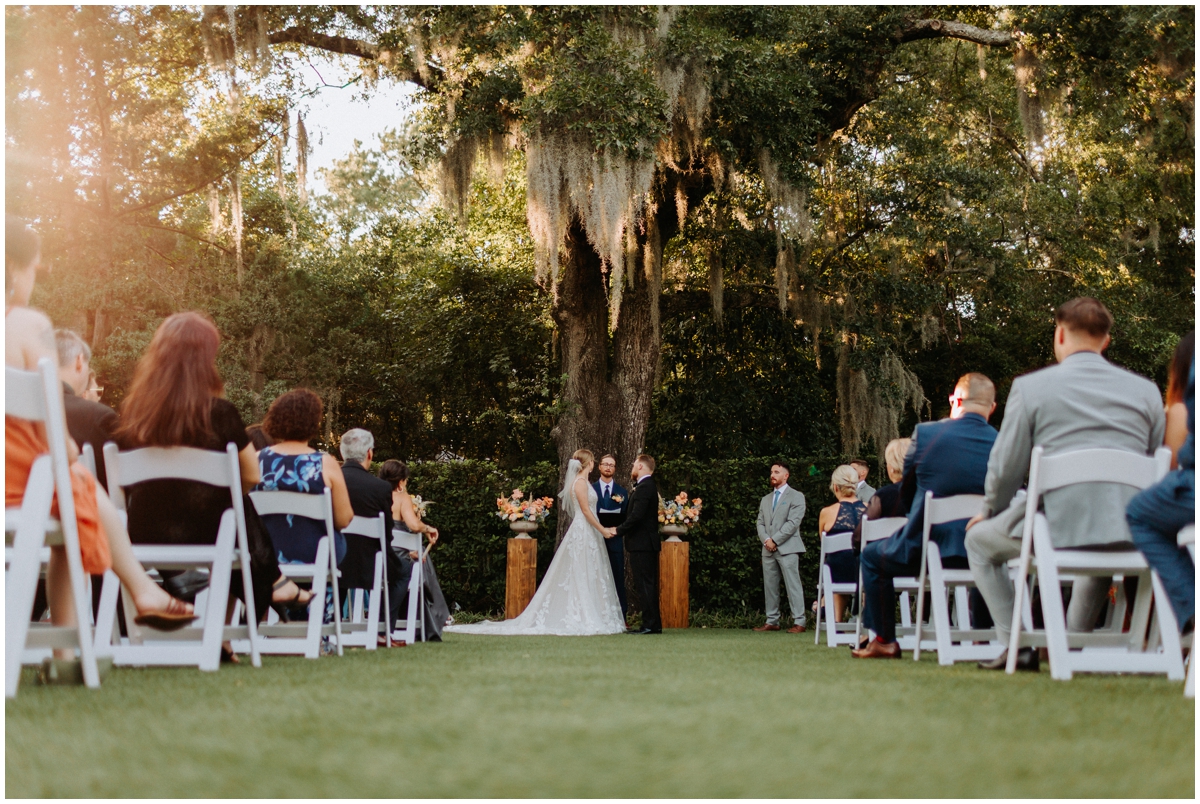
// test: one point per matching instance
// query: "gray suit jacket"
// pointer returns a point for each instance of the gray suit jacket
(783, 524)
(1085, 402)
(865, 492)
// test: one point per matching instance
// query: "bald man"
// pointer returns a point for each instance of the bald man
(948, 457)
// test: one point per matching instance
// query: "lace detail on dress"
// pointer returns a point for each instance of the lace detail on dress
(578, 596)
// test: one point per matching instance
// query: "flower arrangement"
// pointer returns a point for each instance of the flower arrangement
(517, 508)
(680, 511)
(420, 504)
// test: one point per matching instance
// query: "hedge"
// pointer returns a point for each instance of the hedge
(726, 565)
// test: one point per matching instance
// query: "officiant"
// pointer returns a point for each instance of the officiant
(612, 500)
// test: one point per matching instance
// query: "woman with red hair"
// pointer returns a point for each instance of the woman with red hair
(177, 399)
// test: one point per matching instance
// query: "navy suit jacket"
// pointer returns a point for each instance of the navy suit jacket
(618, 491)
(947, 457)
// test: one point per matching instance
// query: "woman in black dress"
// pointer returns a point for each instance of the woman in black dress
(404, 514)
(842, 517)
(176, 400)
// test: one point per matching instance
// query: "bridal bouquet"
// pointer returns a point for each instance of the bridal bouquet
(680, 511)
(517, 507)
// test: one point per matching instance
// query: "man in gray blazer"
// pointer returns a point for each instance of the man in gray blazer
(1084, 402)
(779, 516)
(865, 490)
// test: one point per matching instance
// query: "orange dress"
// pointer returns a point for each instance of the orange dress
(22, 445)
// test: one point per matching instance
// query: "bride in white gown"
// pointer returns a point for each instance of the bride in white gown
(578, 596)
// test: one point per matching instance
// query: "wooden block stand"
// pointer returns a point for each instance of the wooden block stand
(673, 566)
(522, 576)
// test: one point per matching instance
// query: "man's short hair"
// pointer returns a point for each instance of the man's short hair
(70, 346)
(977, 389)
(606, 456)
(860, 462)
(1085, 314)
(647, 461)
(355, 444)
(782, 465)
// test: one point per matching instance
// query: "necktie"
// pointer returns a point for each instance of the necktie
(775, 501)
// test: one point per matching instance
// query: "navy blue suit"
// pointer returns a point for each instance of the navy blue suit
(947, 457)
(615, 545)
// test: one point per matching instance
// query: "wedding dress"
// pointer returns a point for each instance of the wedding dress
(578, 596)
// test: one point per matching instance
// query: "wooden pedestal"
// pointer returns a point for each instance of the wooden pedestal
(522, 576)
(673, 584)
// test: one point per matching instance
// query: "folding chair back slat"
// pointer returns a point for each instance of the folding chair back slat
(1098, 466)
(875, 529)
(836, 542)
(37, 396)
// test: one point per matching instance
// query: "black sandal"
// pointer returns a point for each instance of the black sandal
(285, 608)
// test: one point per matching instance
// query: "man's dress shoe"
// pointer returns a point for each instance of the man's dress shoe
(767, 627)
(878, 650)
(1027, 659)
(646, 631)
(797, 629)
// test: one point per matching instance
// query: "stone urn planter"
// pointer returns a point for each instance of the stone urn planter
(673, 532)
(523, 527)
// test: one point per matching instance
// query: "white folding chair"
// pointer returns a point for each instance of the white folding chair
(836, 633)
(954, 644)
(873, 531)
(415, 617)
(304, 638)
(363, 628)
(37, 396)
(199, 645)
(1187, 538)
(1101, 652)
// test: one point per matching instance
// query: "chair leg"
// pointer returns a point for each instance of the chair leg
(337, 599)
(106, 620)
(372, 638)
(939, 599)
(218, 596)
(1172, 651)
(830, 609)
(1052, 607)
(316, 609)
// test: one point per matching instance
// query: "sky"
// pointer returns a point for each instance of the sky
(336, 117)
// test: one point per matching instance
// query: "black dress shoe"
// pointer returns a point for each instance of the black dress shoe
(1027, 659)
(646, 631)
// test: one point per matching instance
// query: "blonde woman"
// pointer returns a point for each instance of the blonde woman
(842, 517)
(578, 596)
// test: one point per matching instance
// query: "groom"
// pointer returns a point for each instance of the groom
(640, 531)
(611, 502)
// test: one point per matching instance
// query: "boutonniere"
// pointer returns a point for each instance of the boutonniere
(617, 498)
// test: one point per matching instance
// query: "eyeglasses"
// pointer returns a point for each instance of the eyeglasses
(96, 390)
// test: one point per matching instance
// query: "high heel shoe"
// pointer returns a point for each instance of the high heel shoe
(294, 605)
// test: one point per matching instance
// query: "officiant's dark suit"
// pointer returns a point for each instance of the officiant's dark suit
(640, 531)
(612, 501)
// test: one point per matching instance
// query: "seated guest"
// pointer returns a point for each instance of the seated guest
(258, 438)
(1179, 421)
(290, 464)
(103, 540)
(87, 422)
(948, 457)
(1084, 402)
(864, 491)
(842, 517)
(1157, 514)
(406, 517)
(887, 501)
(370, 496)
(176, 399)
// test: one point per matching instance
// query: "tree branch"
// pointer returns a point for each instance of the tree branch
(948, 29)
(397, 63)
(685, 302)
(147, 225)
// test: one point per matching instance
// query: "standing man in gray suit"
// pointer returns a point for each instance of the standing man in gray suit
(779, 516)
(865, 490)
(1084, 402)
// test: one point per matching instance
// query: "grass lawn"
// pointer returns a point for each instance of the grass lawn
(691, 713)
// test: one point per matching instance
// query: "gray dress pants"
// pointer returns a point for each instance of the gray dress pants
(787, 566)
(989, 549)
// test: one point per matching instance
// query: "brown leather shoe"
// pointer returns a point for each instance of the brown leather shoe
(878, 650)
(767, 627)
(797, 629)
